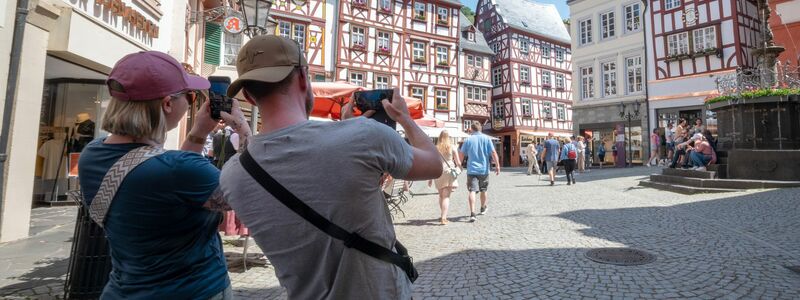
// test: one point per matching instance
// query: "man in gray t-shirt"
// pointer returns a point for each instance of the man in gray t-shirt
(333, 167)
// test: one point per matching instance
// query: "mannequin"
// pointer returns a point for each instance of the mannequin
(84, 132)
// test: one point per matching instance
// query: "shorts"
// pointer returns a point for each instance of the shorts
(476, 183)
(671, 146)
(552, 164)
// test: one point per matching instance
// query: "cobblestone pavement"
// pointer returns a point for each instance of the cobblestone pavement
(532, 242)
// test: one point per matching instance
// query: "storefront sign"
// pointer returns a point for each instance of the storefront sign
(498, 124)
(524, 138)
(133, 17)
(233, 24)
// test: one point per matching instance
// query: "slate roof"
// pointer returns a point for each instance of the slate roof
(479, 45)
(536, 18)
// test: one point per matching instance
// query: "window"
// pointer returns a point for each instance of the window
(607, 27)
(525, 74)
(299, 35)
(419, 11)
(441, 100)
(357, 78)
(670, 4)
(442, 14)
(545, 51)
(441, 56)
(562, 111)
(496, 48)
(483, 94)
(418, 93)
(418, 52)
(705, 39)
(232, 43)
(357, 38)
(497, 109)
(559, 55)
(560, 81)
(285, 29)
(633, 17)
(609, 78)
(487, 26)
(470, 36)
(497, 76)
(470, 60)
(547, 109)
(585, 28)
(633, 66)
(479, 61)
(385, 5)
(384, 42)
(381, 82)
(523, 46)
(470, 93)
(678, 44)
(587, 83)
(526, 107)
(546, 81)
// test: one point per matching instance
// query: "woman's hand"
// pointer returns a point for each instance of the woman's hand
(203, 123)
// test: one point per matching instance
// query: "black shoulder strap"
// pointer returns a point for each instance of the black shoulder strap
(351, 240)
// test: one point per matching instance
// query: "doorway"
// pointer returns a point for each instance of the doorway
(506, 151)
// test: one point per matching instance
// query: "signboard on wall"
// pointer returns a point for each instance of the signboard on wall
(123, 16)
(233, 24)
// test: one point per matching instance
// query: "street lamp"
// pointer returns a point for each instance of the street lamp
(256, 16)
(630, 116)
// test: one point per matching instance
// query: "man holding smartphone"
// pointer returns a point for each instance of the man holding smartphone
(332, 167)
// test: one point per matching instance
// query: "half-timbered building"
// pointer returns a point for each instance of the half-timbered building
(531, 73)
(304, 21)
(690, 44)
(408, 44)
(474, 67)
(608, 67)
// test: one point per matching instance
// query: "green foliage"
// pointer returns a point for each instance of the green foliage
(756, 94)
(468, 13)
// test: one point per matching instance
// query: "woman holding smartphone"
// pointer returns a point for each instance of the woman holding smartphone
(161, 221)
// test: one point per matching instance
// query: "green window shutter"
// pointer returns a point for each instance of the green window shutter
(211, 54)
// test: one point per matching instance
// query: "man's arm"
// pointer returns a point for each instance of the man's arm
(426, 162)
(496, 162)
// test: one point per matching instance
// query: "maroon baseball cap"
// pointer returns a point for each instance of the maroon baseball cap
(150, 75)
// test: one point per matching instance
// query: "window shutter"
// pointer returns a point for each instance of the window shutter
(211, 54)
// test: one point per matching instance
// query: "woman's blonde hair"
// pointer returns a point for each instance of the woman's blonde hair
(137, 119)
(567, 140)
(443, 144)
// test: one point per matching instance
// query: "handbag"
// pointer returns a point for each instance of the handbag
(401, 259)
(450, 170)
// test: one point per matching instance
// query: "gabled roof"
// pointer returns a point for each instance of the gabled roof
(479, 45)
(536, 18)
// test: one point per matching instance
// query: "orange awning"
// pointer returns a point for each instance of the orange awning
(330, 96)
(430, 122)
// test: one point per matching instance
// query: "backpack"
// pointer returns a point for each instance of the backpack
(571, 153)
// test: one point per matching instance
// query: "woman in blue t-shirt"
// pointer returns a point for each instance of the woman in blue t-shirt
(162, 223)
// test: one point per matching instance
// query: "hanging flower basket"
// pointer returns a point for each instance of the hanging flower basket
(383, 50)
(358, 47)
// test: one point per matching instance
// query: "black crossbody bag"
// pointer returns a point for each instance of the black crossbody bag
(400, 259)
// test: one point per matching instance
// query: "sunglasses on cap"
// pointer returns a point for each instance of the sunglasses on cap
(191, 96)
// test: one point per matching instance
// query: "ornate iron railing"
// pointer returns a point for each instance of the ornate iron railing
(749, 79)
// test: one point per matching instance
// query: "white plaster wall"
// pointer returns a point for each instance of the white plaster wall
(7, 9)
(16, 205)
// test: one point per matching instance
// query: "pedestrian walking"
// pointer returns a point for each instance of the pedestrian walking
(669, 136)
(569, 155)
(533, 159)
(446, 184)
(539, 151)
(550, 156)
(162, 225)
(655, 142)
(480, 153)
(601, 153)
(298, 171)
(581, 155)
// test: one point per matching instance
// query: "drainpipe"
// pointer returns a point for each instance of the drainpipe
(335, 47)
(646, 92)
(11, 88)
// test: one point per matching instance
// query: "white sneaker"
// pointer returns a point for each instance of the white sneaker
(701, 169)
(694, 168)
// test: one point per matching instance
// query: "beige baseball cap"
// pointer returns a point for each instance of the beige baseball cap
(266, 58)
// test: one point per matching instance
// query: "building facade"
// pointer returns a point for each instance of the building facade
(475, 83)
(691, 44)
(411, 45)
(531, 73)
(68, 49)
(608, 68)
(785, 25)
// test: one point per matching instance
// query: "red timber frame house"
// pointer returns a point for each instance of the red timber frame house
(304, 22)
(407, 44)
(690, 44)
(475, 82)
(531, 73)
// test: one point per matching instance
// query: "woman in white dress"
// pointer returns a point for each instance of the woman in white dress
(446, 183)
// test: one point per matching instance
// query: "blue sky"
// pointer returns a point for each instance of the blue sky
(563, 9)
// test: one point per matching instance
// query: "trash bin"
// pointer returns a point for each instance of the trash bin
(90, 258)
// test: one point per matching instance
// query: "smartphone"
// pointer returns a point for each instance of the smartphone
(219, 102)
(371, 100)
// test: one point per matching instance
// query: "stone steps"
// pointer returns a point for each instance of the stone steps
(690, 173)
(683, 189)
(736, 184)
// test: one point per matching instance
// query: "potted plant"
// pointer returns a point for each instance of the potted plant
(442, 22)
(385, 10)
(546, 86)
(359, 4)
(419, 60)
(383, 50)
(442, 63)
(358, 46)
(419, 17)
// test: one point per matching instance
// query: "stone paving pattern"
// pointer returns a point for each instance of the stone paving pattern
(531, 244)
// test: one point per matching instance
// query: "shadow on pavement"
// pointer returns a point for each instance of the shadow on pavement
(45, 272)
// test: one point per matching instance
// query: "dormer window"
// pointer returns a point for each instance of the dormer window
(471, 36)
